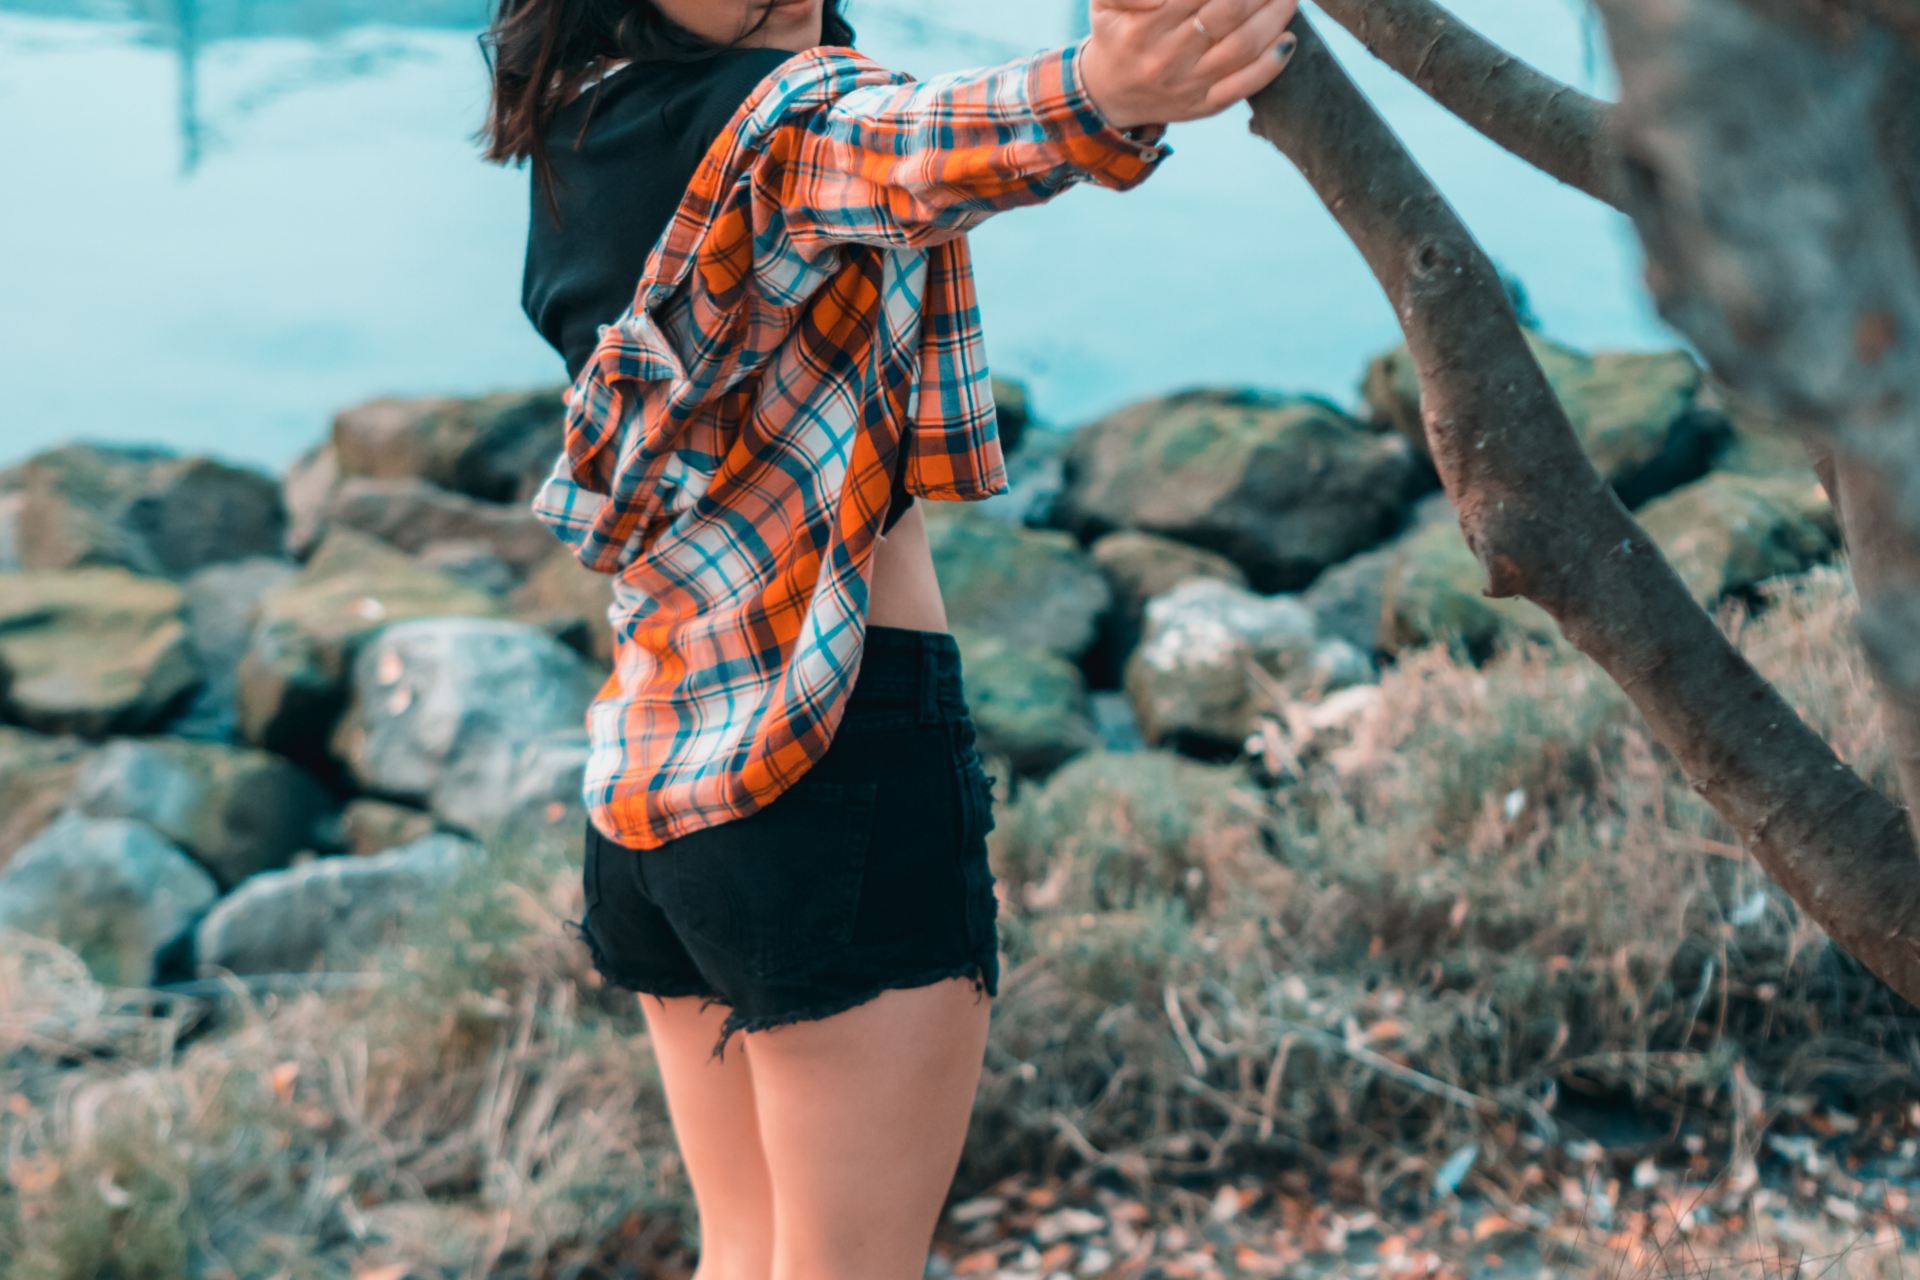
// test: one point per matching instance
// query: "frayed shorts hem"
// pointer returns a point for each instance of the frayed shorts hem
(980, 973)
(613, 977)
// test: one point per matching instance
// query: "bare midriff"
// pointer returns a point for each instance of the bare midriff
(904, 591)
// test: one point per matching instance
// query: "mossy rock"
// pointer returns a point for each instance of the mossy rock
(93, 651)
(1644, 417)
(1013, 412)
(144, 509)
(1434, 591)
(1032, 588)
(1113, 831)
(1030, 705)
(570, 602)
(1282, 486)
(1727, 533)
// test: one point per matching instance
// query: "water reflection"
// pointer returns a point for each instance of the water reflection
(189, 27)
(262, 210)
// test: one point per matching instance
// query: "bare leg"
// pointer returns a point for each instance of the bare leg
(714, 1119)
(862, 1116)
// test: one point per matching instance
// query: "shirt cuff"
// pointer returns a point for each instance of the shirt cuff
(1113, 157)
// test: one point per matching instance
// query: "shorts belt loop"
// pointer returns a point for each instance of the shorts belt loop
(929, 681)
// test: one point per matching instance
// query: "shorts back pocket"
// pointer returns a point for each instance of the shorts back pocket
(781, 886)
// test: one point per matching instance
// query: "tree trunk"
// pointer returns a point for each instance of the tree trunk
(1547, 526)
(1771, 153)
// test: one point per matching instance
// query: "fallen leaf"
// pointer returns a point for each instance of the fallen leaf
(283, 1077)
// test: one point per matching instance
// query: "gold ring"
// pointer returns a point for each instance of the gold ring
(1201, 27)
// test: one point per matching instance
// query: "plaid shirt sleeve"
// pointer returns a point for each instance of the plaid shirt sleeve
(907, 165)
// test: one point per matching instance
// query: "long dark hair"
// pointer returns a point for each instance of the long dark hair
(540, 52)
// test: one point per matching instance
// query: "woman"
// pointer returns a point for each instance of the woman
(748, 243)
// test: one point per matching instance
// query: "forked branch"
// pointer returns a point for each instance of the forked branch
(1552, 126)
(1546, 526)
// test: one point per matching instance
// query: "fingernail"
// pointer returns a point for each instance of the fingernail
(1288, 43)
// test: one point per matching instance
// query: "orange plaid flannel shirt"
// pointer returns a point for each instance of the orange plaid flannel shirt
(729, 446)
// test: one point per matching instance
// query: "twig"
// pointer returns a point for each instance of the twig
(1405, 1075)
(1180, 1032)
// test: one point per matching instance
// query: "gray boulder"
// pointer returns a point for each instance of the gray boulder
(110, 890)
(238, 810)
(330, 910)
(1213, 657)
(1013, 412)
(370, 826)
(143, 509)
(494, 447)
(1034, 477)
(93, 651)
(1281, 486)
(412, 515)
(442, 710)
(37, 774)
(510, 790)
(221, 603)
(1140, 566)
(1033, 588)
(293, 680)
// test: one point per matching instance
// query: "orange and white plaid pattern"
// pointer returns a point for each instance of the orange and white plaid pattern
(730, 443)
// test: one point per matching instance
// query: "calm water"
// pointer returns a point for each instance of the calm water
(225, 219)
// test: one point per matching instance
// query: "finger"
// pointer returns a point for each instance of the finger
(1251, 44)
(1246, 81)
(1165, 14)
(1223, 17)
(1261, 21)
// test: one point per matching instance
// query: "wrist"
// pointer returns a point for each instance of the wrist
(1097, 85)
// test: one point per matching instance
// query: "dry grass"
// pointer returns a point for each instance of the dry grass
(1495, 917)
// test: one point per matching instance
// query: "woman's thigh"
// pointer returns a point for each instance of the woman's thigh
(717, 1128)
(862, 1117)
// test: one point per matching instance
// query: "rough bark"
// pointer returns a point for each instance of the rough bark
(1547, 527)
(1771, 150)
(1901, 17)
(1550, 125)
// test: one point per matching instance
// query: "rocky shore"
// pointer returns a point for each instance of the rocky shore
(247, 720)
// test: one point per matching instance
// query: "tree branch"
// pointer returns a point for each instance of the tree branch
(1546, 526)
(1552, 126)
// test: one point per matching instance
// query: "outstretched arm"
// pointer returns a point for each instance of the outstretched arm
(909, 164)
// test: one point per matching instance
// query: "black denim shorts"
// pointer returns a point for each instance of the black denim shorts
(868, 873)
